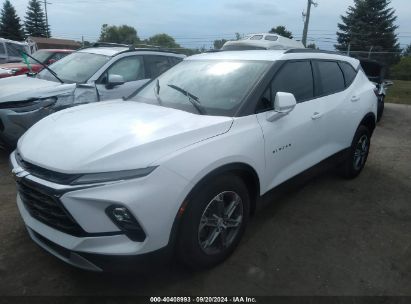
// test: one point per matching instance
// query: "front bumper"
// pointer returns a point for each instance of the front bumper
(154, 201)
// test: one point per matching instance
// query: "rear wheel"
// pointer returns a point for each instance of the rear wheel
(380, 110)
(358, 153)
(213, 222)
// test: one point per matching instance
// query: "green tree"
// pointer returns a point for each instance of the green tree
(369, 25)
(218, 44)
(164, 41)
(10, 26)
(35, 22)
(119, 34)
(282, 31)
(402, 70)
(407, 50)
(312, 46)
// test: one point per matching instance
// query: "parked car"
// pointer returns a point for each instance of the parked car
(5, 73)
(262, 41)
(376, 73)
(94, 74)
(180, 164)
(10, 50)
(46, 57)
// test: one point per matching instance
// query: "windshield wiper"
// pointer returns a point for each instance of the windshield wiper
(194, 100)
(45, 66)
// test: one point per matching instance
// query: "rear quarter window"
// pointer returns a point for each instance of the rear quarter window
(331, 79)
(349, 73)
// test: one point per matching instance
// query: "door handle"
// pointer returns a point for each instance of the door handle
(355, 98)
(316, 115)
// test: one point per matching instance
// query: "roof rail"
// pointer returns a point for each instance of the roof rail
(110, 44)
(308, 50)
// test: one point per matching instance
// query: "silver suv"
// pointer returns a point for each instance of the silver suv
(102, 72)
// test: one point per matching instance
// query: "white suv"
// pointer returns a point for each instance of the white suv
(182, 163)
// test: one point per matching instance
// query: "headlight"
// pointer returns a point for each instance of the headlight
(28, 106)
(94, 178)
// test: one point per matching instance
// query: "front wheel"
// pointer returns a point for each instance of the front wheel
(358, 153)
(213, 222)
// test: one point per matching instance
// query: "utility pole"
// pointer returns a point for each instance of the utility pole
(307, 20)
(47, 19)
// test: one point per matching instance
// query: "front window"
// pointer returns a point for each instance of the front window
(210, 87)
(75, 68)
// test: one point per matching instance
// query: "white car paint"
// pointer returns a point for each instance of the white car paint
(185, 147)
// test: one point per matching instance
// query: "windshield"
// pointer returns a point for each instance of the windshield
(213, 87)
(41, 56)
(75, 68)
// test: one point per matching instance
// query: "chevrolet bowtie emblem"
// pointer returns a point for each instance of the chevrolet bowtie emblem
(19, 173)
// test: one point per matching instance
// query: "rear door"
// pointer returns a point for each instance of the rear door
(157, 65)
(338, 99)
(292, 142)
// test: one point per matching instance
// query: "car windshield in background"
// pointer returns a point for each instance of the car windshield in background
(75, 68)
(41, 56)
(210, 87)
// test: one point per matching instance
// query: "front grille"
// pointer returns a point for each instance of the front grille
(52, 176)
(47, 208)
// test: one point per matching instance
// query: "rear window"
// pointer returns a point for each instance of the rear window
(349, 73)
(331, 77)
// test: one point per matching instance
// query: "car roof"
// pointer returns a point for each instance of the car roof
(274, 55)
(57, 50)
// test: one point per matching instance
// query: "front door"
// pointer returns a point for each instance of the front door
(292, 142)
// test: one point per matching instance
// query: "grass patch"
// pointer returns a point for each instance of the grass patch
(400, 92)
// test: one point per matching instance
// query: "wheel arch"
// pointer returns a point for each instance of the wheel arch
(369, 121)
(246, 172)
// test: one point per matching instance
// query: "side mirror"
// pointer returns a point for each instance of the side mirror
(114, 80)
(284, 103)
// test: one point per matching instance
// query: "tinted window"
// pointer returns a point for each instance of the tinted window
(130, 68)
(331, 77)
(257, 37)
(271, 38)
(349, 73)
(2, 49)
(58, 56)
(156, 65)
(296, 78)
(175, 60)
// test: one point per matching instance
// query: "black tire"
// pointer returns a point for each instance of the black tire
(192, 240)
(357, 154)
(380, 110)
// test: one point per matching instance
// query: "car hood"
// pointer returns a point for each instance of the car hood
(113, 136)
(21, 88)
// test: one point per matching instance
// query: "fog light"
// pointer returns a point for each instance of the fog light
(125, 220)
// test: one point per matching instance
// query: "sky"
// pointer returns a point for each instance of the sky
(197, 23)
